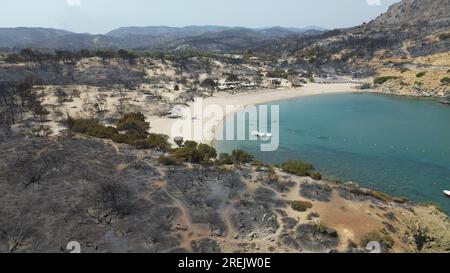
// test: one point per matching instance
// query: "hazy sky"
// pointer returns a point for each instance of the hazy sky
(100, 16)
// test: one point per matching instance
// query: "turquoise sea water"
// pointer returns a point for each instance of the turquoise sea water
(397, 145)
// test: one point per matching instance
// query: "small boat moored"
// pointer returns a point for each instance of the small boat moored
(264, 136)
(447, 193)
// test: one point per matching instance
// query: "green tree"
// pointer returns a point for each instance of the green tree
(133, 122)
(209, 83)
(445, 80)
(225, 159)
(381, 80)
(301, 205)
(207, 152)
(190, 144)
(241, 157)
(421, 74)
(296, 167)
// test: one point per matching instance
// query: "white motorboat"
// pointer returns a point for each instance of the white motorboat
(262, 135)
(447, 193)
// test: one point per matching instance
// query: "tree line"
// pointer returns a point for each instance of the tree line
(67, 56)
(18, 99)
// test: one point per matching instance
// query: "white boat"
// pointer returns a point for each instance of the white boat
(175, 115)
(447, 193)
(262, 135)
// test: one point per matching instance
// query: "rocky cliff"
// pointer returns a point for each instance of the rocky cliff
(415, 12)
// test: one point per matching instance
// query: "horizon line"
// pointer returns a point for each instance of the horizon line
(167, 26)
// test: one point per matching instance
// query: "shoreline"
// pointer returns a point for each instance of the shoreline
(163, 125)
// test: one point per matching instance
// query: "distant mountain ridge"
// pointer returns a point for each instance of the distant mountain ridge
(416, 23)
(155, 37)
(165, 30)
(197, 30)
(25, 36)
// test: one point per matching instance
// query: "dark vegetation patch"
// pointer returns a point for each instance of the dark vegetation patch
(169, 160)
(355, 193)
(254, 219)
(317, 237)
(131, 129)
(193, 152)
(300, 168)
(301, 205)
(205, 246)
(266, 195)
(277, 73)
(444, 36)
(241, 157)
(445, 80)
(279, 185)
(421, 74)
(316, 191)
(313, 215)
(312, 238)
(381, 236)
(19, 98)
(56, 192)
(391, 216)
(382, 80)
(60, 67)
(390, 227)
(205, 191)
(289, 223)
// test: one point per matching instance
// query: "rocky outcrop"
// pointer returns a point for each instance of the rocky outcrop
(415, 12)
(399, 87)
(429, 230)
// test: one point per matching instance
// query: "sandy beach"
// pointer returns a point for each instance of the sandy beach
(165, 126)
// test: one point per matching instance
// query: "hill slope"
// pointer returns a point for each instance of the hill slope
(201, 37)
(112, 198)
(24, 37)
(414, 12)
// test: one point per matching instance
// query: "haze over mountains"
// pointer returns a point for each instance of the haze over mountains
(152, 37)
(199, 30)
(406, 20)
